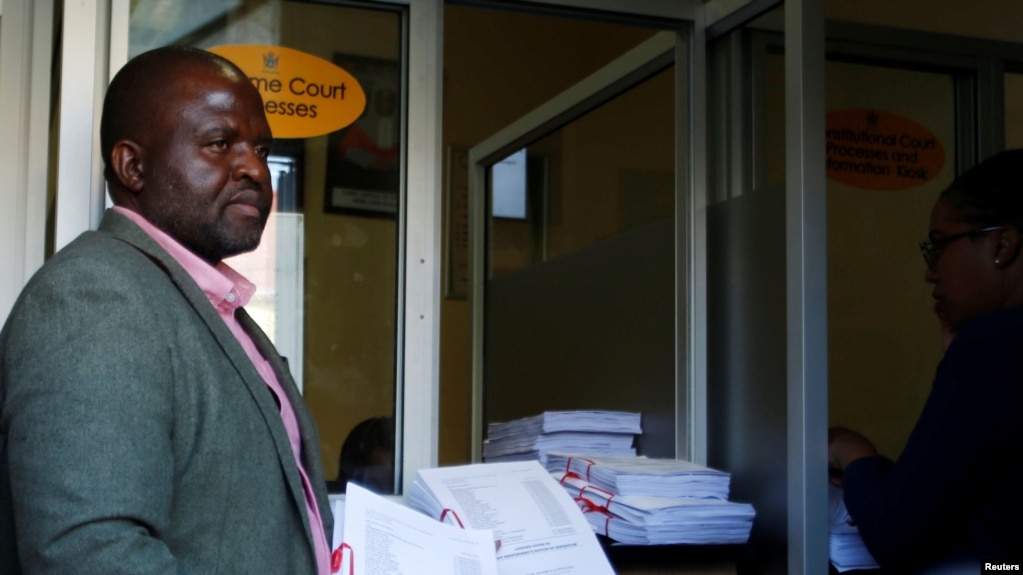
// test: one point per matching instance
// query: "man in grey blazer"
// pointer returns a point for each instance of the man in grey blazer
(147, 425)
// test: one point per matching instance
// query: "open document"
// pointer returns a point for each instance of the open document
(540, 528)
(386, 538)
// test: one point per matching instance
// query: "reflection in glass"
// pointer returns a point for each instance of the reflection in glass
(609, 172)
(508, 187)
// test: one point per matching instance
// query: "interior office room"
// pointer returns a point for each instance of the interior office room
(646, 205)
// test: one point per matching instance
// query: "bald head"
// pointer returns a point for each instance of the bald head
(139, 93)
(185, 141)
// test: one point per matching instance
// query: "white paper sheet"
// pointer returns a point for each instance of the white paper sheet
(386, 538)
(541, 530)
(845, 546)
(657, 477)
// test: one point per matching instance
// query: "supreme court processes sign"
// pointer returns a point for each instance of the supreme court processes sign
(878, 150)
(303, 95)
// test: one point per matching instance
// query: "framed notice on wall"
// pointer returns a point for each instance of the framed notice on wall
(456, 276)
(362, 159)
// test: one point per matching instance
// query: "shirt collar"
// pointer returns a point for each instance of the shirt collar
(226, 289)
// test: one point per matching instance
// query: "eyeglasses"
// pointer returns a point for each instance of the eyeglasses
(931, 249)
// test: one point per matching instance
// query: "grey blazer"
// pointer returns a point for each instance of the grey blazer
(135, 434)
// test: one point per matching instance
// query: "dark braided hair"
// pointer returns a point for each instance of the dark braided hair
(991, 193)
(371, 436)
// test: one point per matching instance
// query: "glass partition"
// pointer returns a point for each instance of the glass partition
(892, 141)
(905, 116)
(892, 138)
(608, 173)
(577, 305)
(501, 64)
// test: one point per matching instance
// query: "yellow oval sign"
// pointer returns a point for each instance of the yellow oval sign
(881, 151)
(303, 95)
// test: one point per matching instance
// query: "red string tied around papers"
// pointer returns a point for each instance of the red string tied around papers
(588, 506)
(335, 559)
(448, 511)
(569, 475)
(608, 494)
(591, 507)
(568, 466)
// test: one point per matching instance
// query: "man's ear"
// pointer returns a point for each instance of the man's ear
(126, 160)
(1007, 248)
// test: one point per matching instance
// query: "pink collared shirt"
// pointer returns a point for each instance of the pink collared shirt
(227, 290)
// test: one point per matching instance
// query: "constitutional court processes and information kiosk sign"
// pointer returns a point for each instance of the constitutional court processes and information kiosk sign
(878, 150)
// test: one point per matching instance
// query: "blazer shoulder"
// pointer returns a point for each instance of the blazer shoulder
(103, 267)
(100, 258)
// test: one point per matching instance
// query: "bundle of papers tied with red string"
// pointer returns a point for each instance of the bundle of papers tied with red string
(653, 501)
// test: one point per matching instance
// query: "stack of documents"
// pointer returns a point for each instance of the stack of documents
(845, 545)
(536, 524)
(591, 432)
(643, 476)
(647, 520)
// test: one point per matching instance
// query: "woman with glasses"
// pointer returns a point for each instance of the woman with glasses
(953, 500)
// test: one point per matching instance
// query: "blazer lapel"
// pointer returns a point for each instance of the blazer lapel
(310, 456)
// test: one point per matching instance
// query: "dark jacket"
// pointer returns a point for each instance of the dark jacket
(957, 487)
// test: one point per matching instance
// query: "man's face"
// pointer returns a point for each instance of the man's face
(206, 179)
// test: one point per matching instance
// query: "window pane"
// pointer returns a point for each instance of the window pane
(580, 291)
(327, 268)
(608, 173)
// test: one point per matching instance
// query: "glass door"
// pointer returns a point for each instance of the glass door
(575, 211)
(899, 127)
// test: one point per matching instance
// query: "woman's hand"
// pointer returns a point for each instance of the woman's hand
(844, 447)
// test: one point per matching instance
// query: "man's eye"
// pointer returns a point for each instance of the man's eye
(219, 144)
(263, 151)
